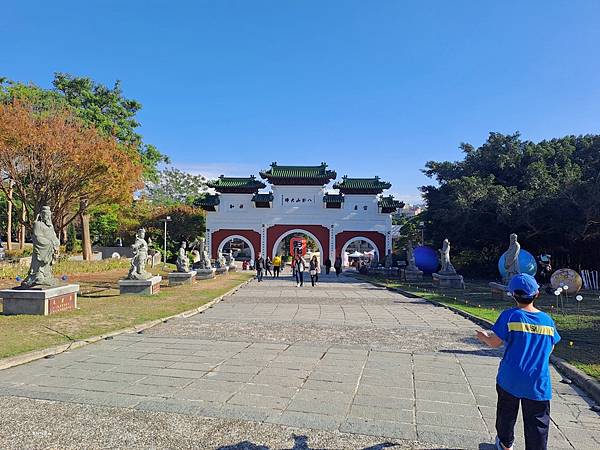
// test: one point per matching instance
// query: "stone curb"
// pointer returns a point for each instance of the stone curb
(577, 376)
(6, 363)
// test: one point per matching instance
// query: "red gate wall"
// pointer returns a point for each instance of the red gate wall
(219, 236)
(319, 231)
(375, 236)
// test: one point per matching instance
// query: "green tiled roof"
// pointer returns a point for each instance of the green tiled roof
(207, 200)
(236, 184)
(262, 198)
(366, 185)
(298, 174)
(333, 198)
(389, 204)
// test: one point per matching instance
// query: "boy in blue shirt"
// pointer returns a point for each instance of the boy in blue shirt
(529, 336)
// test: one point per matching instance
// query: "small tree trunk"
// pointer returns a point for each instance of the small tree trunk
(86, 243)
(9, 216)
(22, 229)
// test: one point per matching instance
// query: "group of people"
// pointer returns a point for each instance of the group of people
(299, 266)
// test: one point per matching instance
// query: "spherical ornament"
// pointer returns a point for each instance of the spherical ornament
(426, 259)
(64, 278)
(19, 279)
(571, 281)
(527, 263)
(579, 298)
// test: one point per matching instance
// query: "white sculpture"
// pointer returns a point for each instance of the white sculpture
(511, 261)
(447, 267)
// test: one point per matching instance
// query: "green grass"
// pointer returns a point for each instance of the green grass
(579, 325)
(10, 271)
(102, 310)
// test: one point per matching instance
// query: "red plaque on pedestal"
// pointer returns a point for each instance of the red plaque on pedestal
(61, 303)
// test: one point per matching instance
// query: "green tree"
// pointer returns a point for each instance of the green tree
(547, 192)
(176, 187)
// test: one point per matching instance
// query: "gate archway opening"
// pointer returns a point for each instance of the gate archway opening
(241, 248)
(313, 245)
(359, 244)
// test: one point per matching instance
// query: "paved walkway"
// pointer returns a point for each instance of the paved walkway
(344, 357)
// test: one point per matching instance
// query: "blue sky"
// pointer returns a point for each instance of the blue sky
(372, 88)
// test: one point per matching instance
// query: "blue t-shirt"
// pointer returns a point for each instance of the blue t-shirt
(528, 340)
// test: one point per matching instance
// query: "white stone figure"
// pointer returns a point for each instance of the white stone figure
(195, 256)
(140, 255)
(183, 262)
(410, 256)
(511, 261)
(447, 267)
(45, 252)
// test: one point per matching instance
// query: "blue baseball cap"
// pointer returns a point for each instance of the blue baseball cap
(525, 283)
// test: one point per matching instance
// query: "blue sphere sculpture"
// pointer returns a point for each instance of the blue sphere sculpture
(527, 263)
(426, 259)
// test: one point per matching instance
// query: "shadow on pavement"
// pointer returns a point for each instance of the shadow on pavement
(300, 443)
(481, 352)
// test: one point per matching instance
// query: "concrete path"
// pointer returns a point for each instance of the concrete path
(343, 358)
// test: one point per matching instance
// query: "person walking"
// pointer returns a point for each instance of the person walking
(259, 265)
(338, 266)
(269, 266)
(299, 268)
(276, 266)
(327, 266)
(314, 268)
(529, 336)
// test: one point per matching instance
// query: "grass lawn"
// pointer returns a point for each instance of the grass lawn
(579, 326)
(101, 310)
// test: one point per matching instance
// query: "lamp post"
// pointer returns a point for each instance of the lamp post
(165, 220)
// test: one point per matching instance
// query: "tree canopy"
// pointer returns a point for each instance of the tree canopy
(54, 159)
(176, 187)
(547, 192)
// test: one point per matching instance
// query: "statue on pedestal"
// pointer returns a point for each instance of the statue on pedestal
(140, 255)
(410, 258)
(45, 252)
(195, 256)
(221, 262)
(203, 260)
(511, 263)
(447, 267)
(183, 262)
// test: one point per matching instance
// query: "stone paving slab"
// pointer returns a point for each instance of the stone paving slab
(445, 396)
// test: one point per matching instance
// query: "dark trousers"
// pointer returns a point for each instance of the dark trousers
(536, 418)
(314, 279)
(276, 271)
(259, 274)
(327, 269)
(300, 277)
(338, 271)
(268, 271)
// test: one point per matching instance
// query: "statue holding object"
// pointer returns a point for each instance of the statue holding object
(45, 252)
(140, 255)
(511, 263)
(447, 267)
(183, 262)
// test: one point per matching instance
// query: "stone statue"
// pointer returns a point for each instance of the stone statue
(45, 252)
(388, 260)
(203, 262)
(410, 257)
(140, 255)
(447, 267)
(183, 262)
(511, 262)
(221, 262)
(195, 256)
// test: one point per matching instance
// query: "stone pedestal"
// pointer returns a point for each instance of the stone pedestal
(413, 275)
(178, 278)
(205, 274)
(150, 286)
(499, 291)
(41, 302)
(221, 270)
(448, 280)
